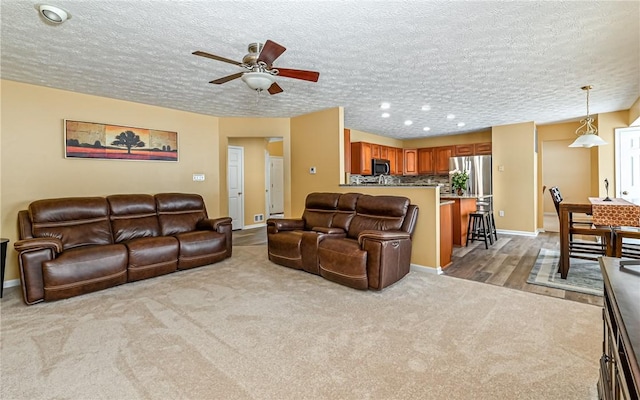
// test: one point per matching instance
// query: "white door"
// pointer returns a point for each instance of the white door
(628, 164)
(276, 178)
(235, 185)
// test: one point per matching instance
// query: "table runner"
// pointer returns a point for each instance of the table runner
(617, 212)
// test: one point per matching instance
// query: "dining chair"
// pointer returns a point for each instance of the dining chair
(627, 242)
(598, 237)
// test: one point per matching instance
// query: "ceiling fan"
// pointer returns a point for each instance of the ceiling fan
(261, 73)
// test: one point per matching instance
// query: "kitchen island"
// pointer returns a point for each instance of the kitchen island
(463, 205)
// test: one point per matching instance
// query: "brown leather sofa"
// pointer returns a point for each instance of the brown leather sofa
(73, 246)
(357, 240)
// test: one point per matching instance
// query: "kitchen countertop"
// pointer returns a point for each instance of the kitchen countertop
(464, 196)
(445, 202)
(393, 185)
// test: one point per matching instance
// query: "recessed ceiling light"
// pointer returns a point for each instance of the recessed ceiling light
(53, 14)
(461, 124)
(408, 122)
(385, 106)
(385, 115)
(426, 107)
(426, 129)
(451, 116)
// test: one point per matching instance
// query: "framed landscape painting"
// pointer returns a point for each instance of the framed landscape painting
(115, 142)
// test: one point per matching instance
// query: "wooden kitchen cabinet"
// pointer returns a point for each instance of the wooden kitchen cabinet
(441, 157)
(482, 149)
(446, 233)
(425, 161)
(384, 153)
(462, 207)
(410, 164)
(375, 151)
(399, 161)
(462, 150)
(393, 162)
(361, 155)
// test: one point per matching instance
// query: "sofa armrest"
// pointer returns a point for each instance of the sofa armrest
(382, 235)
(38, 244)
(275, 225)
(329, 231)
(213, 224)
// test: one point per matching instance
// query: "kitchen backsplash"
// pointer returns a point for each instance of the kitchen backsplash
(398, 179)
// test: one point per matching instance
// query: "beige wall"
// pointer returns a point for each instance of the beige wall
(34, 167)
(466, 138)
(253, 128)
(515, 187)
(360, 136)
(254, 177)
(634, 113)
(567, 168)
(276, 148)
(604, 165)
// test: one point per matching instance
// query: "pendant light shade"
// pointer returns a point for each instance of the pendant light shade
(587, 132)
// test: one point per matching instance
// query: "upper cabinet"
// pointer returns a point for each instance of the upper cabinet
(441, 157)
(475, 149)
(410, 157)
(425, 161)
(361, 156)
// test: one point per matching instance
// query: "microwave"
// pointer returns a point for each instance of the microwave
(380, 167)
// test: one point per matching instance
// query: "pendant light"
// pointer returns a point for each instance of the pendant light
(587, 132)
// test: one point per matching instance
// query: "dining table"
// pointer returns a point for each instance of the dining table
(612, 213)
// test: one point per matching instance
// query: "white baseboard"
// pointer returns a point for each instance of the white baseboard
(518, 233)
(424, 268)
(253, 226)
(11, 283)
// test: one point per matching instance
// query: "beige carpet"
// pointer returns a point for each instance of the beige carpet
(249, 329)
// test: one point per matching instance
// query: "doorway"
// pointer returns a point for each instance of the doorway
(235, 185)
(276, 181)
(628, 164)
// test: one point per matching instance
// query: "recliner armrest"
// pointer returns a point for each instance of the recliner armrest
(382, 235)
(39, 243)
(275, 225)
(213, 224)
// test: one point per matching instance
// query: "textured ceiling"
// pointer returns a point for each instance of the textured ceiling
(489, 63)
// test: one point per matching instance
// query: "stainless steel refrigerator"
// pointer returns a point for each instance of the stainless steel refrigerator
(480, 181)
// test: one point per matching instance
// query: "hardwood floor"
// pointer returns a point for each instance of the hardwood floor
(507, 263)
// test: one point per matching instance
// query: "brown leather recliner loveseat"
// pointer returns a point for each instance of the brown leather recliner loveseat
(73, 246)
(357, 240)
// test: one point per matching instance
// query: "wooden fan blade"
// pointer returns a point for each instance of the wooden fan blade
(270, 51)
(214, 57)
(227, 78)
(275, 88)
(299, 74)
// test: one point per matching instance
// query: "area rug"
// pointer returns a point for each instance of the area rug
(584, 275)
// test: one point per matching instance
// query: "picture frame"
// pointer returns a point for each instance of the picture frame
(118, 142)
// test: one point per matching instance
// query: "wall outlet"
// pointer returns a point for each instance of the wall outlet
(312, 170)
(501, 213)
(258, 218)
(198, 177)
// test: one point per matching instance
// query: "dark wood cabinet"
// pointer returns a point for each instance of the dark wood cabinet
(361, 158)
(425, 161)
(482, 149)
(410, 164)
(619, 369)
(441, 157)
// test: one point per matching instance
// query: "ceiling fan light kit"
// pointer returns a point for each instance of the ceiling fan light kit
(53, 14)
(587, 132)
(259, 63)
(258, 80)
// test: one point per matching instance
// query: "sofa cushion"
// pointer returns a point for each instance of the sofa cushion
(133, 216)
(382, 213)
(343, 261)
(83, 270)
(152, 256)
(75, 221)
(179, 212)
(346, 210)
(319, 210)
(200, 248)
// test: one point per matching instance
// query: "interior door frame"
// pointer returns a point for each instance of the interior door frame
(241, 196)
(617, 141)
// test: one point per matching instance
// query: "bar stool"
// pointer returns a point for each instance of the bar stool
(477, 228)
(485, 206)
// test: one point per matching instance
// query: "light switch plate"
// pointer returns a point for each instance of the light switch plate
(198, 177)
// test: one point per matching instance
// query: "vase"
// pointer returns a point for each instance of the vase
(460, 192)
